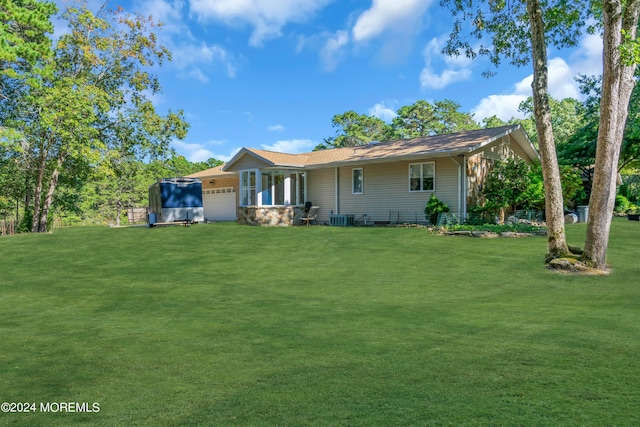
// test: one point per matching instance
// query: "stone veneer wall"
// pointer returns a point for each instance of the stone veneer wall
(266, 215)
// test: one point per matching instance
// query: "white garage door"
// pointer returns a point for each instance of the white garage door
(219, 204)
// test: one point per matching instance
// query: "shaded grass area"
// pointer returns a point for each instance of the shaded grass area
(230, 325)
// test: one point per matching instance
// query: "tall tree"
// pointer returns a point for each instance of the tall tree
(24, 26)
(567, 117)
(25, 50)
(94, 99)
(425, 119)
(621, 53)
(580, 148)
(506, 185)
(355, 129)
(12, 179)
(520, 31)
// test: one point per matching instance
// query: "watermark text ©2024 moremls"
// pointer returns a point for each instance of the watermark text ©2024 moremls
(50, 407)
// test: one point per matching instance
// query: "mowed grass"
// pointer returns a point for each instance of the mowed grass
(234, 325)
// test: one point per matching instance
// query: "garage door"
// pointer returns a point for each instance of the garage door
(219, 204)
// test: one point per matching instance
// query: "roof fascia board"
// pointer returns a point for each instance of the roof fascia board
(217, 175)
(408, 157)
(491, 140)
(279, 166)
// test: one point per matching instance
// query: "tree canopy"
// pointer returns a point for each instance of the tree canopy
(420, 119)
(90, 106)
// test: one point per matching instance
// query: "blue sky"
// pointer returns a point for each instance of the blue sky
(271, 74)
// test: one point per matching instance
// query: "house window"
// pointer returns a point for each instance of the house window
(273, 190)
(248, 188)
(357, 181)
(422, 176)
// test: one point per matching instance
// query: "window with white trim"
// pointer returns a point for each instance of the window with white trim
(248, 188)
(357, 181)
(422, 176)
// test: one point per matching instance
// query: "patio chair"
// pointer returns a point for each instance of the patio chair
(311, 216)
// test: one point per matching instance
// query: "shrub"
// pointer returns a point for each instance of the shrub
(26, 221)
(478, 215)
(433, 208)
(622, 204)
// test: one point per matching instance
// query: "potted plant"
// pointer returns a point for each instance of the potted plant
(434, 207)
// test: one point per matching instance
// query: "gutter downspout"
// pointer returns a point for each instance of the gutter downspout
(465, 186)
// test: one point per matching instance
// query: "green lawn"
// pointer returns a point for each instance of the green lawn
(235, 325)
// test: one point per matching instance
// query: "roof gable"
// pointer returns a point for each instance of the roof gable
(269, 158)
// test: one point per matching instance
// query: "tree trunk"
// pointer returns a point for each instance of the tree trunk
(53, 183)
(554, 203)
(617, 85)
(37, 195)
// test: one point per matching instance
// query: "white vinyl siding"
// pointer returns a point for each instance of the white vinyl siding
(387, 190)
(321, 186)
(248, 162)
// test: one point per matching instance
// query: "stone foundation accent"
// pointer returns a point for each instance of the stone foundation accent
(275, 216)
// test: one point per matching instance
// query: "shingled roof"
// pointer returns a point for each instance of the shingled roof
(215, 171)
(466, 142)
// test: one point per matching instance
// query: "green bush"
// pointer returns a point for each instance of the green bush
(27, 221)
(478, 215)
(433, 208)
(622, 204)
(496, 228)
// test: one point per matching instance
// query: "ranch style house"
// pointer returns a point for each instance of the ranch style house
(382, 182)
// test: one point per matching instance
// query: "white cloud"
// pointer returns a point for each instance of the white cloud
(195, 152)
(217, 142)
(330, 46)
(431, 80)
(187, 51)
(293, 146)
(267, 17)
(197, 74)
(333, 49)
(275, 128)
(393, 26)
(562, 82)
(192, 152)
(503, 106)
(169, 13)
(457, 68)
(227, 157)
(587, 59)
(381, 111)
(187, 55)
(400, 16)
